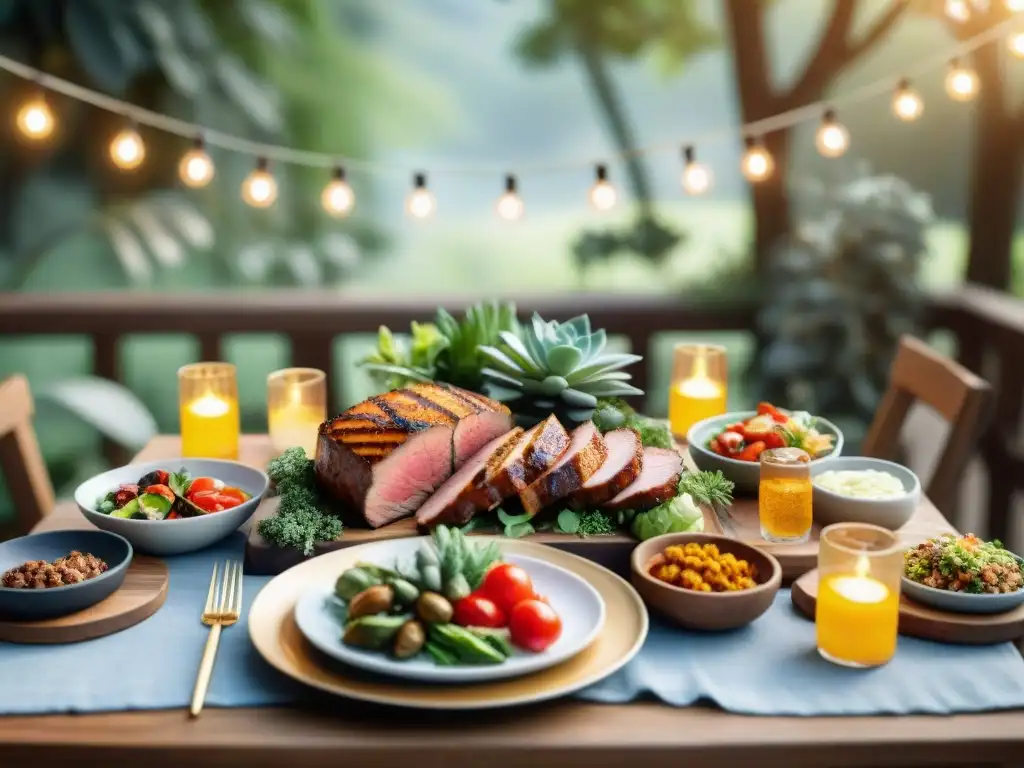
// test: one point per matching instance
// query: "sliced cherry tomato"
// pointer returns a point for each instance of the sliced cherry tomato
(731, 442)
(774, 440)
(736, 426)
(767, 409)
(752, 452)
(507, 585)
(763, 408)
(478, 611)
(202, 484)
(236, 493)
(714, 446)
(214, 501)
(161, 490)
(534, 625)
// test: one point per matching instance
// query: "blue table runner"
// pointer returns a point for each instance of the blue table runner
(767, 668)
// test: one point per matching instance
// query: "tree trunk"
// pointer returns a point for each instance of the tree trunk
(771, 199)
(996, 178)
(622, 133)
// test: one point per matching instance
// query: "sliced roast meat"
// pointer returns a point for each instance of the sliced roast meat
(658, 481)
(583, 457)
(620, 469)
(383, 457)
(467, 491)
(533, 454)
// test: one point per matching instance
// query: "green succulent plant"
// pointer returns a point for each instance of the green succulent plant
(556, 368)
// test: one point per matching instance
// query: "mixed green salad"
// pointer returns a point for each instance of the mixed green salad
(964, 564)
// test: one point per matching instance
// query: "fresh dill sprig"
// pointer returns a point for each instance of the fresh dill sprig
(711, 488)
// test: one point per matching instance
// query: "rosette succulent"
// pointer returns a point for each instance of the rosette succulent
(558, 368)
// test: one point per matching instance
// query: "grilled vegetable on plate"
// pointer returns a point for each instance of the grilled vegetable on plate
(449, 609)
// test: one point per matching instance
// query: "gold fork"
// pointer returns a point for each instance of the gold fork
(223, 606)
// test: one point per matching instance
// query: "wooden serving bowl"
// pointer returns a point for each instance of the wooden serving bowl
(712, 611)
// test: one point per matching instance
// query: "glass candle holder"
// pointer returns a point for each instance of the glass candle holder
(784, 495)
(698, 388)
(858, 607)
(296, 407)
(208, 406)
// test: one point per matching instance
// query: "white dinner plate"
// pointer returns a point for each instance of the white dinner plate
(319, 615)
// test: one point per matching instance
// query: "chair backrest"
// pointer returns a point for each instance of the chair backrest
(21, 460)
(959, 396)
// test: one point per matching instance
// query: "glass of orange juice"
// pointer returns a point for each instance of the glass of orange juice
(699, 386)
(858, 606)
(208, 406)
(785, 495)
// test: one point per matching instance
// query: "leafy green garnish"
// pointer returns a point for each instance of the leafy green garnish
(301, 520)
(179, 482)
(106, 505)
(568, 521)
(594, 522)
(616, 413)
(674, 516)
(516, 526)
(291, 469)
(712, 488)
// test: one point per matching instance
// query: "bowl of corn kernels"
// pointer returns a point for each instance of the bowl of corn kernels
(703, 581)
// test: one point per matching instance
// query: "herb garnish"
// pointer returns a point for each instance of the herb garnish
(300, 521)
(711, 488)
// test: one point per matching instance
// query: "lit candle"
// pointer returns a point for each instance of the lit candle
(697, 391)
(208, 400)
(857, 615)
(296, 407)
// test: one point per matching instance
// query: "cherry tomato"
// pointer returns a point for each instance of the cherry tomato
(731, 442)
(478, 611)
(752, 452)
(214, 501)
(202, 484)
(236, 493)
(534, 625)
(161, 490)
(173, 516)
(507, 585)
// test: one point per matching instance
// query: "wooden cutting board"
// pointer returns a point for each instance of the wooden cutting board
(922, 621)
(139, 597)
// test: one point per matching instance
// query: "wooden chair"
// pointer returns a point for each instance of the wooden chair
(21, 460)
(959, 396)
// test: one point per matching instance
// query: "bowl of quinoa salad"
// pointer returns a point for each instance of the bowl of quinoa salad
(964, 574)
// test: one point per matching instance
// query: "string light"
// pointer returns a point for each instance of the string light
(696, 176)
(758, 163)
(603, 195)
(420, 204)
(510, 205)
(1015, 6)
(1016, 44)
(338, 199)
(260, 187)
(127, 150)
(906, 102)
(196, 168)
(961, 82)
(35, 119)
(958, 10)
(832, 138)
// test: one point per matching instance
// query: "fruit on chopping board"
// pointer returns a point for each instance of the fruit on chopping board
(558, 368)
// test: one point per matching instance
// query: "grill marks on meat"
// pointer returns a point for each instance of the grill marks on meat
(534, 454)
(384, 456)
(622, 467)
(584, 456)
(469, 490)
(658, 481)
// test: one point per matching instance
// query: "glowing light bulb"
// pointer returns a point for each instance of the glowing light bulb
(127, 150)
(603, 195)
(196, 168)
(35, 119)
(962, 82)
(758, 163)
(260, 187)
(832, 138)
(1015, 6)
(906, 102)
(338, 199)
(510, 205)
(696, 177)
(420, 204)
(958, 10)
(1016, 44)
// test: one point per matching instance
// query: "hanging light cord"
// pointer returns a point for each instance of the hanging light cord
(291, 155)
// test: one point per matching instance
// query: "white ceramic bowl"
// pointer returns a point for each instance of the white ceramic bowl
(744, 473)
(892, 514)
(961, 602)
(174, 537)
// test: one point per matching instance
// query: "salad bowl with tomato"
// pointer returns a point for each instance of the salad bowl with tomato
(733, 442)
(173, 506)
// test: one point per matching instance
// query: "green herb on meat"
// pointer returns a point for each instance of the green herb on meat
(711, 488)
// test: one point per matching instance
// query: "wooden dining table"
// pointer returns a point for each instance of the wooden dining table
(568, 733)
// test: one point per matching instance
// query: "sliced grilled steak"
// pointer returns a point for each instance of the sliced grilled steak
(583, 457)
(467, 491)
(622, 467)
(535, 452)
(658, 481)
(383, 457)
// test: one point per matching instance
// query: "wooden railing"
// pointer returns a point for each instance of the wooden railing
(989, 328)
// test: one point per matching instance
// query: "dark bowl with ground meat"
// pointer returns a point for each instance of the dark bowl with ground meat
(38, 579)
